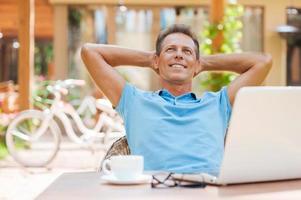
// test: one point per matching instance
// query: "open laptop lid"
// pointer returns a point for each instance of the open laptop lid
(264, 137)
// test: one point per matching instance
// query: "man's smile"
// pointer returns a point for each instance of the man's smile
(177, 65)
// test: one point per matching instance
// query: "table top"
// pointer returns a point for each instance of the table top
(88, 185)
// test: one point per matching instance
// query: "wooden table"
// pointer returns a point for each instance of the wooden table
(87, 185)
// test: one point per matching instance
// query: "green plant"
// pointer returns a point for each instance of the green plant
(74, 17)
(5, 119)
(3, 149)
(2, 129)
(42, 98)
(215, 81)
(231, 28)
(43, 56)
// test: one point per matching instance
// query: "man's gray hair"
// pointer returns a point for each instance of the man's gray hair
(177, 28)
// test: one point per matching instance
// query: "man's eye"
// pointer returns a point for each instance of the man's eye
(187, 51)
(169, 49)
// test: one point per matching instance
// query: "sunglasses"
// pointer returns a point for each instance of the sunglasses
(167, 180)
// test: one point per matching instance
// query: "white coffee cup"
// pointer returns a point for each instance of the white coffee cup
(129, 167)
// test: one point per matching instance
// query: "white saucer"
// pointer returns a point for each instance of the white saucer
(143, 179)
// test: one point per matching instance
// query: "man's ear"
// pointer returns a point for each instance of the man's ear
(156, 62)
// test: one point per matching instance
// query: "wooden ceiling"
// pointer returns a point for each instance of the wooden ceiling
(134, 2)
(43, 18)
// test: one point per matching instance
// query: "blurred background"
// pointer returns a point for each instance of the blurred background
(62, 26)
(40, 42)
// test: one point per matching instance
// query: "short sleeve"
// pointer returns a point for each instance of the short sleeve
(225, 103)
(126, 100)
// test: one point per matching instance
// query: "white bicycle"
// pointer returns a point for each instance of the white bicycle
(33, 137)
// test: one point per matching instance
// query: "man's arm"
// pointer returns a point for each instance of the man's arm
(99, 60)
(252, 67)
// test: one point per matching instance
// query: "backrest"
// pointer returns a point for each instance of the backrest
(119, 147)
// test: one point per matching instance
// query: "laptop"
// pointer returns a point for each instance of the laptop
(263, 141)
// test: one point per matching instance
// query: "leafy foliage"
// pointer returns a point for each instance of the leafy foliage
(231, 27)
(74, 17)
(43, 56)
(42, 98)
(215, 81)
(3, 150)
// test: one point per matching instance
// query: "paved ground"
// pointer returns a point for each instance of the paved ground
(17, 182)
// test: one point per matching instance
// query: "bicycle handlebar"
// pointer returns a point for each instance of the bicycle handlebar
(64, 91)
(62, 86)
(74, 82)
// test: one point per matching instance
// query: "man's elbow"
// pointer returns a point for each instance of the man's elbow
(85, 49)
(264, 62)
(267, 60)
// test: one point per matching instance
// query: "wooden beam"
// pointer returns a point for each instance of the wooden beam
(155, 83)
(134, 2)
(60, 41)
(216, 16)
(9, 18)
(26, 52)
(156, 24)
(111, 24)
(217, 10)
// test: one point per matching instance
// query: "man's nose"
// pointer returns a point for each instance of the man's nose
(179, 54)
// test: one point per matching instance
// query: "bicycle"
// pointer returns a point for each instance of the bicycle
(31, 127)
(113, 123)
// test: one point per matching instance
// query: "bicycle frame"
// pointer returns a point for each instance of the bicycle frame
(92, 105)
(60, 110)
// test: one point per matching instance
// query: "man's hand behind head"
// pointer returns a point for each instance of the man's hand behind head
(200, 66)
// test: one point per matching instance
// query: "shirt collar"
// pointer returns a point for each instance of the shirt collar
(187, 96)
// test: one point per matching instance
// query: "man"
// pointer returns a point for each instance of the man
(171, 128)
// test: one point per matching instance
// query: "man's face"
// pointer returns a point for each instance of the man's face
(177, 61)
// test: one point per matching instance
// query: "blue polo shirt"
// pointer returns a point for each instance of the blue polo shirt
(182, 134)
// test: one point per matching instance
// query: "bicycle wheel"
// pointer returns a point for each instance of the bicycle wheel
(24, 145)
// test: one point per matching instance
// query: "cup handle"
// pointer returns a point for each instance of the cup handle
(105, 165)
